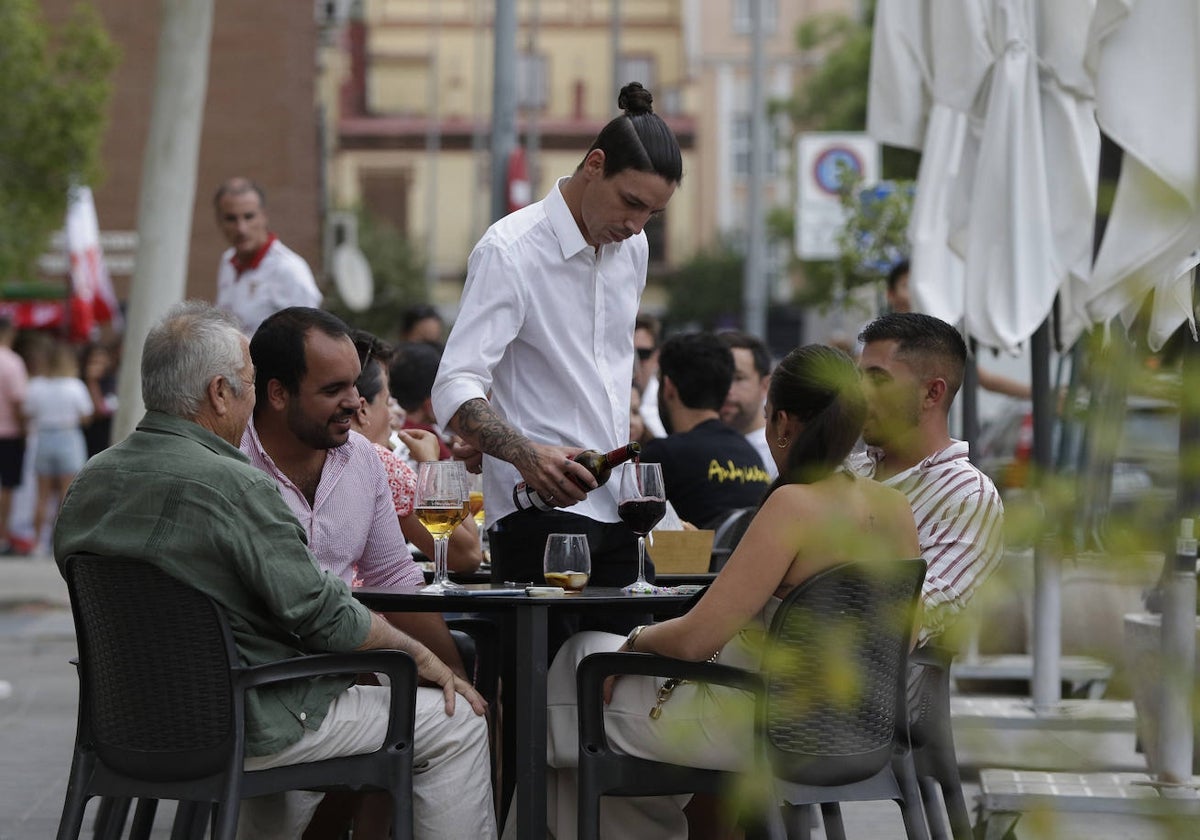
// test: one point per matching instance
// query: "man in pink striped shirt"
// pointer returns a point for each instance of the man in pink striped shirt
(912, 367)
(306, 366)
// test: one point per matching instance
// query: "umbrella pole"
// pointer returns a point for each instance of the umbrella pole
(970, 402)
(1047, 569)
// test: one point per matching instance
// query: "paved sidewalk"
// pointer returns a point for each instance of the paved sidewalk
(37, 727)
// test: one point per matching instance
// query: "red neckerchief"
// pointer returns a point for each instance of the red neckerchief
(242, 267)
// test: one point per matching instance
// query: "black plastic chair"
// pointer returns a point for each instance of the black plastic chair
(823, 739)
(932, 742)
(161, 706)
(727, 533)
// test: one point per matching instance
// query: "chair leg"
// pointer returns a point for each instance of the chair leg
(831, 816)
(111, 817)
(911, 807)
(143, 819)
(932, 801)
(70, 824)
(956, 810)
(191, 820)
(797, 822)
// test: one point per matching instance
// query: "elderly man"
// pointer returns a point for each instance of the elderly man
(179, 494)
(258, 274)
(912, 367)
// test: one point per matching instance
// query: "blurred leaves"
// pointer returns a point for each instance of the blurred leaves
(707, 289)
(54, 93)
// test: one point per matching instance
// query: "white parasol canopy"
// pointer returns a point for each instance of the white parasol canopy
(1006, 192)
(1145, 58)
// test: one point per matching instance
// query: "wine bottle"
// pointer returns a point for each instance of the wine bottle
(599, 464)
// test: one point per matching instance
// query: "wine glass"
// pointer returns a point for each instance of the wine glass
(475, 488)
(643, 503)
(567, 561)
(441, 504)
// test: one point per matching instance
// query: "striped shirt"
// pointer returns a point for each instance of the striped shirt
(351, 527)
(960, 525)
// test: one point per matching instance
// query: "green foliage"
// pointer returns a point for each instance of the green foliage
(834, 98)
(875, 235)
(54, 92)
(707, 287)
(398, 270)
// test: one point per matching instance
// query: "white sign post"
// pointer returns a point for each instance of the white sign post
(820, 156)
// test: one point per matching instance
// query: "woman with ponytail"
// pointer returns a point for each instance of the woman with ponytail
(814, 516)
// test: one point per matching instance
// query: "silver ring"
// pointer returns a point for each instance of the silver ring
(549, 498)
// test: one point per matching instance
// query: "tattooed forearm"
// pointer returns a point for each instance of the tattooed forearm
(479, 425)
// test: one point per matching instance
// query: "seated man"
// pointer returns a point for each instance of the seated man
(743, 409)
(709, 468)
(912, 367)
(306, 368)
(179, 494)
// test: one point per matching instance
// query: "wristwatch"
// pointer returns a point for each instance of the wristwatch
(631, 639)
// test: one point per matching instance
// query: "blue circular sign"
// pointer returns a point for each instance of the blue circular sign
(827, 167)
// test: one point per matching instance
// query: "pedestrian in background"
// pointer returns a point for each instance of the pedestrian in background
(13, 381)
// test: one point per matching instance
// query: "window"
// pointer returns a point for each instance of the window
(531, 81)
(739, 141)
(638, 68)
(742, 22)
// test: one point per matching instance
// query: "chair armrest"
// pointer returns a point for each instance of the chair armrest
(932, 655)
(594, 669)
(398, 666)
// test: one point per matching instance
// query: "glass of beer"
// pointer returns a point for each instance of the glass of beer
(441, 504)
(567, 562)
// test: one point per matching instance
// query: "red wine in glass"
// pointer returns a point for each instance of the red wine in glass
(642, 514)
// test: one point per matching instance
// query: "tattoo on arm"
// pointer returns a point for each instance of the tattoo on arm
(487, 431)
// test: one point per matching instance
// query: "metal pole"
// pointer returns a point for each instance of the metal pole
(1047, 569)
(533, 137)
(754, 282)
(504, 102)
(168, 188)
(1175, 725)
(970, 401)
(433, 146)
(615, 42)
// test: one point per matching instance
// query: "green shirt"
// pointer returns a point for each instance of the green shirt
(178, 496)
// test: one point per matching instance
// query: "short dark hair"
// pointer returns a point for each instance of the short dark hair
(735, 339)
(413, 369)
(899, 270)
(646, 321)
(700, 366)
(415, 314)
(277, 347)
(237, 186)
(374, 354)
(934, 345)
(638, 139)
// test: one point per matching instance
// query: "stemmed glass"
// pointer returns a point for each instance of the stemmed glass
(643, 502)
(441, 504)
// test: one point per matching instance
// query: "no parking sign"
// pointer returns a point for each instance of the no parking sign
(819, 216)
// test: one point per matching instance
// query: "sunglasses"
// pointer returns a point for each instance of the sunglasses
(644, 353)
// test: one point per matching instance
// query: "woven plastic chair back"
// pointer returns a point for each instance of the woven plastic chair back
(155, 668)
(834, 670)
(727, 534)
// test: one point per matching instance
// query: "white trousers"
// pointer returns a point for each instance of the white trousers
(700, 726)
(452, 782)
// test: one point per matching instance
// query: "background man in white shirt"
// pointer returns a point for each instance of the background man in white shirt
(545, 328)
(258, 275)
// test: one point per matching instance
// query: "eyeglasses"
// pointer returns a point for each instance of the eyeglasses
(644, 353)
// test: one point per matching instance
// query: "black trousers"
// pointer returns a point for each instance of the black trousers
(518, 542)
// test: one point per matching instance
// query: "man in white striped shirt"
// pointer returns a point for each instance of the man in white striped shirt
(912, 367)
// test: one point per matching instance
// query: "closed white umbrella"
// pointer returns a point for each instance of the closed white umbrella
(1145, 57)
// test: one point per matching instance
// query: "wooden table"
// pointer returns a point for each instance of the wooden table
(528, 645)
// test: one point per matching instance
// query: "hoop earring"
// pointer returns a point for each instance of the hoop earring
(783, 442)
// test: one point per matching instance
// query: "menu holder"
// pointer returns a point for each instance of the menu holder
(680, 552)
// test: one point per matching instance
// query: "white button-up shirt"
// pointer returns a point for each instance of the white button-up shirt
(281, 278)
(546, 326)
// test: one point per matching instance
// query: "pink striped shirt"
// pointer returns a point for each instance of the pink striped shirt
(960, 525)
(351, 527)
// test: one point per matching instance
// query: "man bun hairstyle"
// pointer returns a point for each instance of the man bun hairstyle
(639, 139)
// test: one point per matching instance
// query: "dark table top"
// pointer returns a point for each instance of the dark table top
(483, 596)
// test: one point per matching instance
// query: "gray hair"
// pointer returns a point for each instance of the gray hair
(184, 352)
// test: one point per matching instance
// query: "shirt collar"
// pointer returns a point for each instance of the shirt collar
(241, 266)
(566, 229)
(157, 422)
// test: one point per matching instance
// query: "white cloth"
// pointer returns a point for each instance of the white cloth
(758, 439)
(960, 527)
(546, 327)
(649, 410)
(281, 279)
(57, 402)
(452, 791)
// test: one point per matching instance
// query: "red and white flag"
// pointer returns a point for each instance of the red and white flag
(93, 300)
